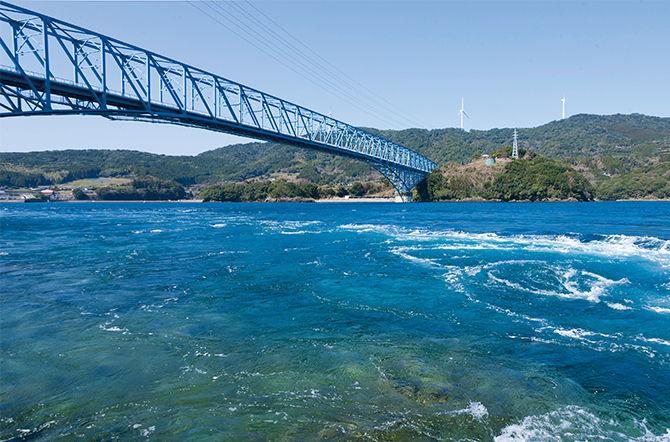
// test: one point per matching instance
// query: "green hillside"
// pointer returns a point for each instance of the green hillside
(641, 183)
(623, 156)
(226, 164)
(530, 178)
(634, 140)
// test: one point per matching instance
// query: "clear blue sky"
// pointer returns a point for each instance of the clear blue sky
(512, 62)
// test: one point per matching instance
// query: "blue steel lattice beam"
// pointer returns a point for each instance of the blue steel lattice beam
(50, 67)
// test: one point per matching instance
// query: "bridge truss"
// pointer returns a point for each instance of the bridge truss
(50, 67)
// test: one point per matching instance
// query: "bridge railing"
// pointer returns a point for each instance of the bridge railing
(57, 67)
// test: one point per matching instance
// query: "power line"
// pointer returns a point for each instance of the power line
(264, 41)
(306, 68)
(267, 46)
(268, 54)
(410, 119)
(316, 63)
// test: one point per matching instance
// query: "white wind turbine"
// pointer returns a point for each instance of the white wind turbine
(461, 113)
(563, 100)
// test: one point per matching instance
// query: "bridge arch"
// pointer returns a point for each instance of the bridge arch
(50, 67)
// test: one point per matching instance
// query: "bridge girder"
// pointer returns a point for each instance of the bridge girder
(50, 67)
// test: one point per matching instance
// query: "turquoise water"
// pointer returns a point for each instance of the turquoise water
(353, 321)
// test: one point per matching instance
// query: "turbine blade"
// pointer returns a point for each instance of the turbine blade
(466, 114)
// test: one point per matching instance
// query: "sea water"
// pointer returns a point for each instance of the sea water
(340, 321)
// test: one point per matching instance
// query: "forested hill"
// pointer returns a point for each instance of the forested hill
(634, 140)
(226, 164)
(600, 147)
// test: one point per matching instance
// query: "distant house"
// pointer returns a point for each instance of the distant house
(49, 194)
(485, 156)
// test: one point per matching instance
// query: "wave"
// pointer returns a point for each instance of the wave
(561, 281)
(113, 328)
(618, 306)
(611, 246)
(427, 261)
(575, 284)
(288, 224)
(581, 334)
(476, 409)
(573, 423)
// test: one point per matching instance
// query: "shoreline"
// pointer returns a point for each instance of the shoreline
(337, 200)
(356, 200)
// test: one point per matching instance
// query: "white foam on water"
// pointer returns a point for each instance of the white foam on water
(661, 310)
(597, 341)
(469, 246)
(572, 281)
(476, 410)
(453, 275)
(575, 333)
(617, 306)
(573, 423)
(385, 229)
(147, 431)
(288, 224)
(513, 314)
(509, 284)
(428, 261)
(613, 246)
(218, 226)
(653, 340)
(114, 328)
(579, 333)
(456, 273)
(603, 341)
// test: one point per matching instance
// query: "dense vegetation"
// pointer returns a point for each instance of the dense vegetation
(281, 190)
(623, 156)
(631, 140)
(227, 164)
(259, 191)
(645, 182)
(533, 178)
(139, 190)
(540, 179)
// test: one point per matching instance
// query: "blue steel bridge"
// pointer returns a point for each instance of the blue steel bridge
(50, 67)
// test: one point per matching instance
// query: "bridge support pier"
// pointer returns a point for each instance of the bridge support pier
(403, 197)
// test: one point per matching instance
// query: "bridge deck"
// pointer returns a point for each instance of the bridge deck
(58, 68)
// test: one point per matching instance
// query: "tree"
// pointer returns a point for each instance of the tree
(356, 189)
(79, 194)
